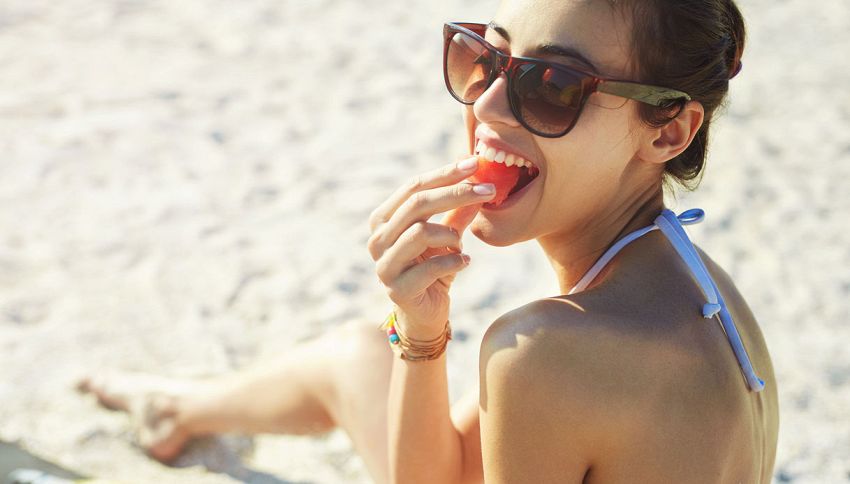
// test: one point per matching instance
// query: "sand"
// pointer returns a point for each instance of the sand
(184, 189)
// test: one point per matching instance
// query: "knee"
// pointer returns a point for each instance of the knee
(362, 365)
(363, 341)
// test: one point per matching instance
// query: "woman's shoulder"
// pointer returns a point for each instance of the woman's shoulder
(598, 371)
(553, 360)
(631, 361)
(580, 345)
(640, 329)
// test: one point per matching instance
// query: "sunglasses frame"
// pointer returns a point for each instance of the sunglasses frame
(653, 95)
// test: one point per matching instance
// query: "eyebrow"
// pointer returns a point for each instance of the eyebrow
(548, 48)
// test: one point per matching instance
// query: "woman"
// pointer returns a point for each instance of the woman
(649, 368)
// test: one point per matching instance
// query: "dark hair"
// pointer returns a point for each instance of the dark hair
(691, 45)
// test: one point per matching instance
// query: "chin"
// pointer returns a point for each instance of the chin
(484, 230)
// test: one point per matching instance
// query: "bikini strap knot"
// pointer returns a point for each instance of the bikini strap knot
(692, 216)
(709, 310)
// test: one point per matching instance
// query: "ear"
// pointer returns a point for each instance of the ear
(666, 142)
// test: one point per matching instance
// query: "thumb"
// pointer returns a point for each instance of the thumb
(458, 219)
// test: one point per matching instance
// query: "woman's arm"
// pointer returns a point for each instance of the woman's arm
(424, 445)
(417, 260)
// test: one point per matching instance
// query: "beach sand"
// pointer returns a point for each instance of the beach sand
(184, 188)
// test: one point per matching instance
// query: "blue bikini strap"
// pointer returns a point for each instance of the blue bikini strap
(688, 217)
(671, 226)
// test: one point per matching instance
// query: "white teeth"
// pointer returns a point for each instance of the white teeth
(498, 156)
(490, 154)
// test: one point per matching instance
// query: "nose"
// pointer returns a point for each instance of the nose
(492, 106)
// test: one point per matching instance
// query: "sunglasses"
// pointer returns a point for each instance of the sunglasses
(545, 98)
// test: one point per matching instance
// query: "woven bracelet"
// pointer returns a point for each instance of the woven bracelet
(415, 349)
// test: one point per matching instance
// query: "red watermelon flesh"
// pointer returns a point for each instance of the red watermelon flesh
(502, 176)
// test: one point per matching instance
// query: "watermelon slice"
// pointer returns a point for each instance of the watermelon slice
(502, 176)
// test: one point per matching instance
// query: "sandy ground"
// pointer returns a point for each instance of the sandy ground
(184, 189)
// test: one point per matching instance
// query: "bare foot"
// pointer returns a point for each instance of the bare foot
(155, 404)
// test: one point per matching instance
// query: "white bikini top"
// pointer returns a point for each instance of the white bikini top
(671, 226)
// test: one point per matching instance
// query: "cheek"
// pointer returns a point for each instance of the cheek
(589, 158)
(603, 136)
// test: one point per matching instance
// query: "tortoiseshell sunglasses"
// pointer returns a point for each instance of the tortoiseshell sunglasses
(546, 98)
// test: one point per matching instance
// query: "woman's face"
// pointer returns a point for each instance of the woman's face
(590, 172)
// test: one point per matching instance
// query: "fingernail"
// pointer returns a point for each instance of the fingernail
(484, 189)
(465, 258)
(467, 164)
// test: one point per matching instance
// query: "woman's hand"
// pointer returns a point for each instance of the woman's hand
(417, 260)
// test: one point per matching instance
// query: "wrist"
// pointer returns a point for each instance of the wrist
(418, 344)
(418, 331)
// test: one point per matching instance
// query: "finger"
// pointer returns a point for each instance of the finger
(457, 219)
(413, 243)
(421, 206)
(446, 175)
(420, 277)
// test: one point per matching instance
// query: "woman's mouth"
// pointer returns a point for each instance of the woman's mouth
(509, 172)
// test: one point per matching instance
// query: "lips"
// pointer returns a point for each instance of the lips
(507, 171)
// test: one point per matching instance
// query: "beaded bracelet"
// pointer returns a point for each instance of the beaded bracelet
(413, 349)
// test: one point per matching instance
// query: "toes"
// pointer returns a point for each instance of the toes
(106, 392)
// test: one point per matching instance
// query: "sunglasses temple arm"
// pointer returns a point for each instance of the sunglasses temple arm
(654, 95)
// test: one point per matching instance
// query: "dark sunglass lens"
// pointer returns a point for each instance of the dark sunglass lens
(548, 99)
(468, 67)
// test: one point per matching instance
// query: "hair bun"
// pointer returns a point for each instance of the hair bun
(737, 35)
(736, 69)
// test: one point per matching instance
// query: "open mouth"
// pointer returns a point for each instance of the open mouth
(526, 175)
(508, 172)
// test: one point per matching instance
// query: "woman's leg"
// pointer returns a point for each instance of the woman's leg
(340, 378)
